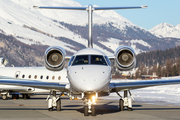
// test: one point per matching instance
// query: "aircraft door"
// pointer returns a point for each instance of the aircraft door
(17, 74)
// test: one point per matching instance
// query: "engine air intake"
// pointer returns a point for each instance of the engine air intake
(54, 58)
(125, 58)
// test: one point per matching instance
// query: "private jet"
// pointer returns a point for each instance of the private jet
(26, 73)
(88, 72)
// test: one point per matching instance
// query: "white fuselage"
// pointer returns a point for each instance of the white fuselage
(89, 77)
(31, 74)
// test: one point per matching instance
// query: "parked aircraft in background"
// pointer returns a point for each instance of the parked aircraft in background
(88, 72)
(28, 73)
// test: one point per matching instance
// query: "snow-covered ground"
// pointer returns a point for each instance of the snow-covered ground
(167, 94)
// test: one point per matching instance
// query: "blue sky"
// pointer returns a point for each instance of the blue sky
(158, 11)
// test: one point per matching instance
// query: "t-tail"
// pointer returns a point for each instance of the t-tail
(90, 10)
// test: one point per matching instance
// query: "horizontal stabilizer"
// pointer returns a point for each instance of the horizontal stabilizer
(65, 8)
(112, 8)
(86, 8)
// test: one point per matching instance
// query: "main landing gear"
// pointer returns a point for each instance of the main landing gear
(5, 96)
(125, 102)
(54, 102)
(89, 105)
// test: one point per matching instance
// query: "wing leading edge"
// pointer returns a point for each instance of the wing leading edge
(36, 84)
(120, 86)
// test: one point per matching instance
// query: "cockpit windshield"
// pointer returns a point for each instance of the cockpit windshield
(81, 60)
(89, 59)
(98, 60)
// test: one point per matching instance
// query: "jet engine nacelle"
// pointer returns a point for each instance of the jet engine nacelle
(125, 58)
(54, 58)
(3, 62)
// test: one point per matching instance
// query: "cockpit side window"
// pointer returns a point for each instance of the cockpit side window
(71, 60)
(108, 61)
(81, 60)
(98, 60)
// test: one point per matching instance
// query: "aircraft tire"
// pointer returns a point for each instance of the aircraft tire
(25, 96)
(129, 109)
(121, 105)
(4, 97)
(50, 109)
(93, 111)
(58, 105)
(85, 110)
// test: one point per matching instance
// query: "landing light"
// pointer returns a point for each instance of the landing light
(94, 99)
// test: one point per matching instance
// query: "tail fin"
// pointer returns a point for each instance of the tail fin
(90, 10)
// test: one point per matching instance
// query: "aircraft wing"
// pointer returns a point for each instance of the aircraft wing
(121, 86)
(36, 84)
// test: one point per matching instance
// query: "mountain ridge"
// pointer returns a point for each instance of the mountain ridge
(69, 29)
(166, 30)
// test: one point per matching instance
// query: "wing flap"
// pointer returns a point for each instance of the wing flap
(120, 86)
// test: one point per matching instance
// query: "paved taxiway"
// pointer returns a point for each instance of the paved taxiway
(36, 109)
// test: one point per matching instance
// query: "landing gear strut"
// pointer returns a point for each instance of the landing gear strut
(54, 102)
(89, 106)
(125, 101)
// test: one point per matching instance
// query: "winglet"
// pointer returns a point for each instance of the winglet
(144, 6)
(36, 7)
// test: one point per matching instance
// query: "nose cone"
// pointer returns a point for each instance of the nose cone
(89, 78)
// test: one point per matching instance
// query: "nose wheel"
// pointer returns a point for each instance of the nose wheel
(93, 113)
(89, 108)
(85, 110)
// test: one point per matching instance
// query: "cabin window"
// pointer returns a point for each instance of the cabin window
(47, 77)
(29, 76)
(98, 60)
(53, 77)
(59, 78)
(35, 77)
(81, 60)
(41, 77)
(23, 76)
(16, 75)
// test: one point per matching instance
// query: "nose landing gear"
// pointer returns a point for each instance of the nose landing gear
(89, 104)
(89, 107)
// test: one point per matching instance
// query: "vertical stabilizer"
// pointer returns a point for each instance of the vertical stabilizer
(90, 10)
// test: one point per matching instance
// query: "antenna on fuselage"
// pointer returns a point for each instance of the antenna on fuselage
(90, 10)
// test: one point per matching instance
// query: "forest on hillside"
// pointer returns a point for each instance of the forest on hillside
(163, 63)
(158, 57)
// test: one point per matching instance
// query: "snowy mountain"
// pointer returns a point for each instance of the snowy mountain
(69, 30)
(166, 30)
(20, 17)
